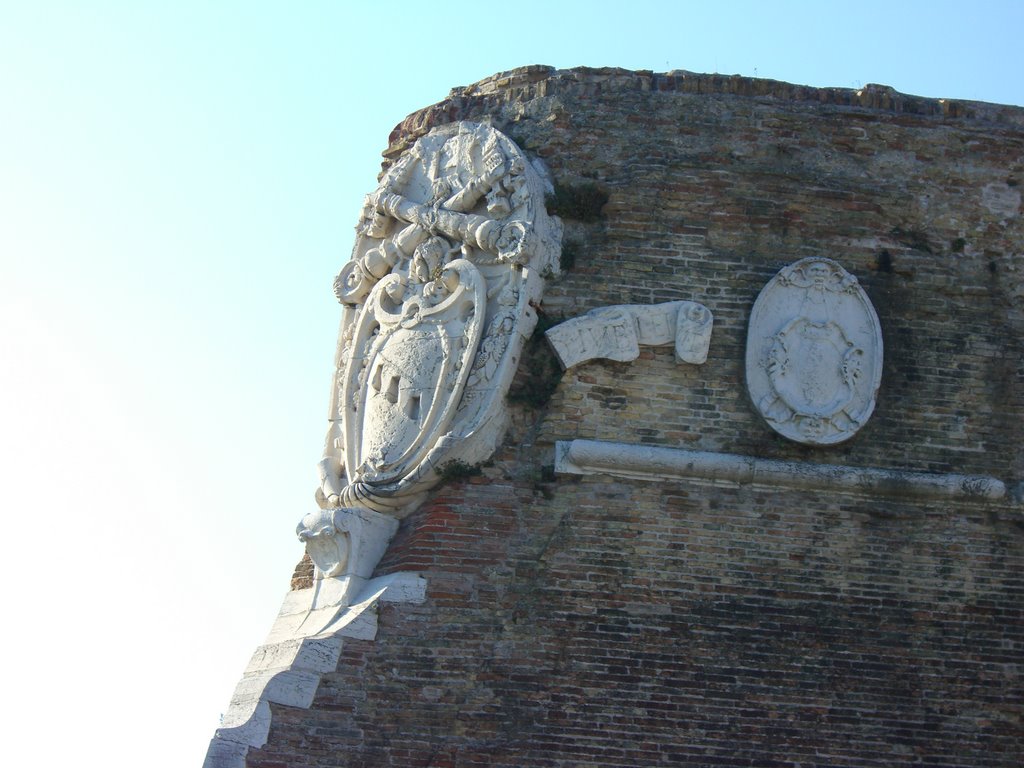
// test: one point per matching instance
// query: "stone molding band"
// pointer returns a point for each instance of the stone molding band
(644, 462)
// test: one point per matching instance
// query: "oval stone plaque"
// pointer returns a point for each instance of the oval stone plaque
(814, 353)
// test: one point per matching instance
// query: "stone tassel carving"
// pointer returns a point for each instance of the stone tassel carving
(449, 256)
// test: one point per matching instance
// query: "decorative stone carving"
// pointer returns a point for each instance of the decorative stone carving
(448, 259)
(814, 353)
(617, 333)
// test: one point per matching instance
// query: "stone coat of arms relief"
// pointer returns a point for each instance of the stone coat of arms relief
(814, 353)
(451, 250)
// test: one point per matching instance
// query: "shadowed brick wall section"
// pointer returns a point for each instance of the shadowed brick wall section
(602, 622)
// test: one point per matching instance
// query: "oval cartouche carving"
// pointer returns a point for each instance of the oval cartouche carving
(814, 353)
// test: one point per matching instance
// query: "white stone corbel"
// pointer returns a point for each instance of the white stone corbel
(345, 546)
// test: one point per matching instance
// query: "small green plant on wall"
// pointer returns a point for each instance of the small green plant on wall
(456, 470)
(580, 202)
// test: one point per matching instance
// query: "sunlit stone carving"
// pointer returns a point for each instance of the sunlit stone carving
(449, 256)
(814, 353)
(618, 332)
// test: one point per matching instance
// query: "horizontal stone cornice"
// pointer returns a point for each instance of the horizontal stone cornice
(646, 462)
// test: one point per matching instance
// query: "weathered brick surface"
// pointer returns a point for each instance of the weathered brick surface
(602, 622)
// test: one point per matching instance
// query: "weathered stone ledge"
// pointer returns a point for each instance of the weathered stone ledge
(644, 462)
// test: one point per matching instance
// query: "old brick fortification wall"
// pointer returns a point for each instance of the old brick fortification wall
(604, 622)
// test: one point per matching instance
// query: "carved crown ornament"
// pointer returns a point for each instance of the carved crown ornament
(814, 353)
(450, 253)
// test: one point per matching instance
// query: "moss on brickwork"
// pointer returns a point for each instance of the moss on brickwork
(455, 470)
(539, 370)
(579, 202)
(570, 252)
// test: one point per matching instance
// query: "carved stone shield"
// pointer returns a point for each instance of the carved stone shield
(402, 394)
(450, 253)
(814, 353)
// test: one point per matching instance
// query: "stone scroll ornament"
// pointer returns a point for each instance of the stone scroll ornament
(618, 332)
(814, 353)
(451, 251)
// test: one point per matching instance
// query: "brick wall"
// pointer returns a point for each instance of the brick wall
(603, 622)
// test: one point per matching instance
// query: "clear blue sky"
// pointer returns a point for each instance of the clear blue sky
(178, 187)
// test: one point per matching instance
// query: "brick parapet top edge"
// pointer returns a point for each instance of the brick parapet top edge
(533, 81)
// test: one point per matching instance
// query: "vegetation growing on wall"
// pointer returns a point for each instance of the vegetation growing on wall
(539, 371)
(570, 250)
(580, 202)
(455, 470)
